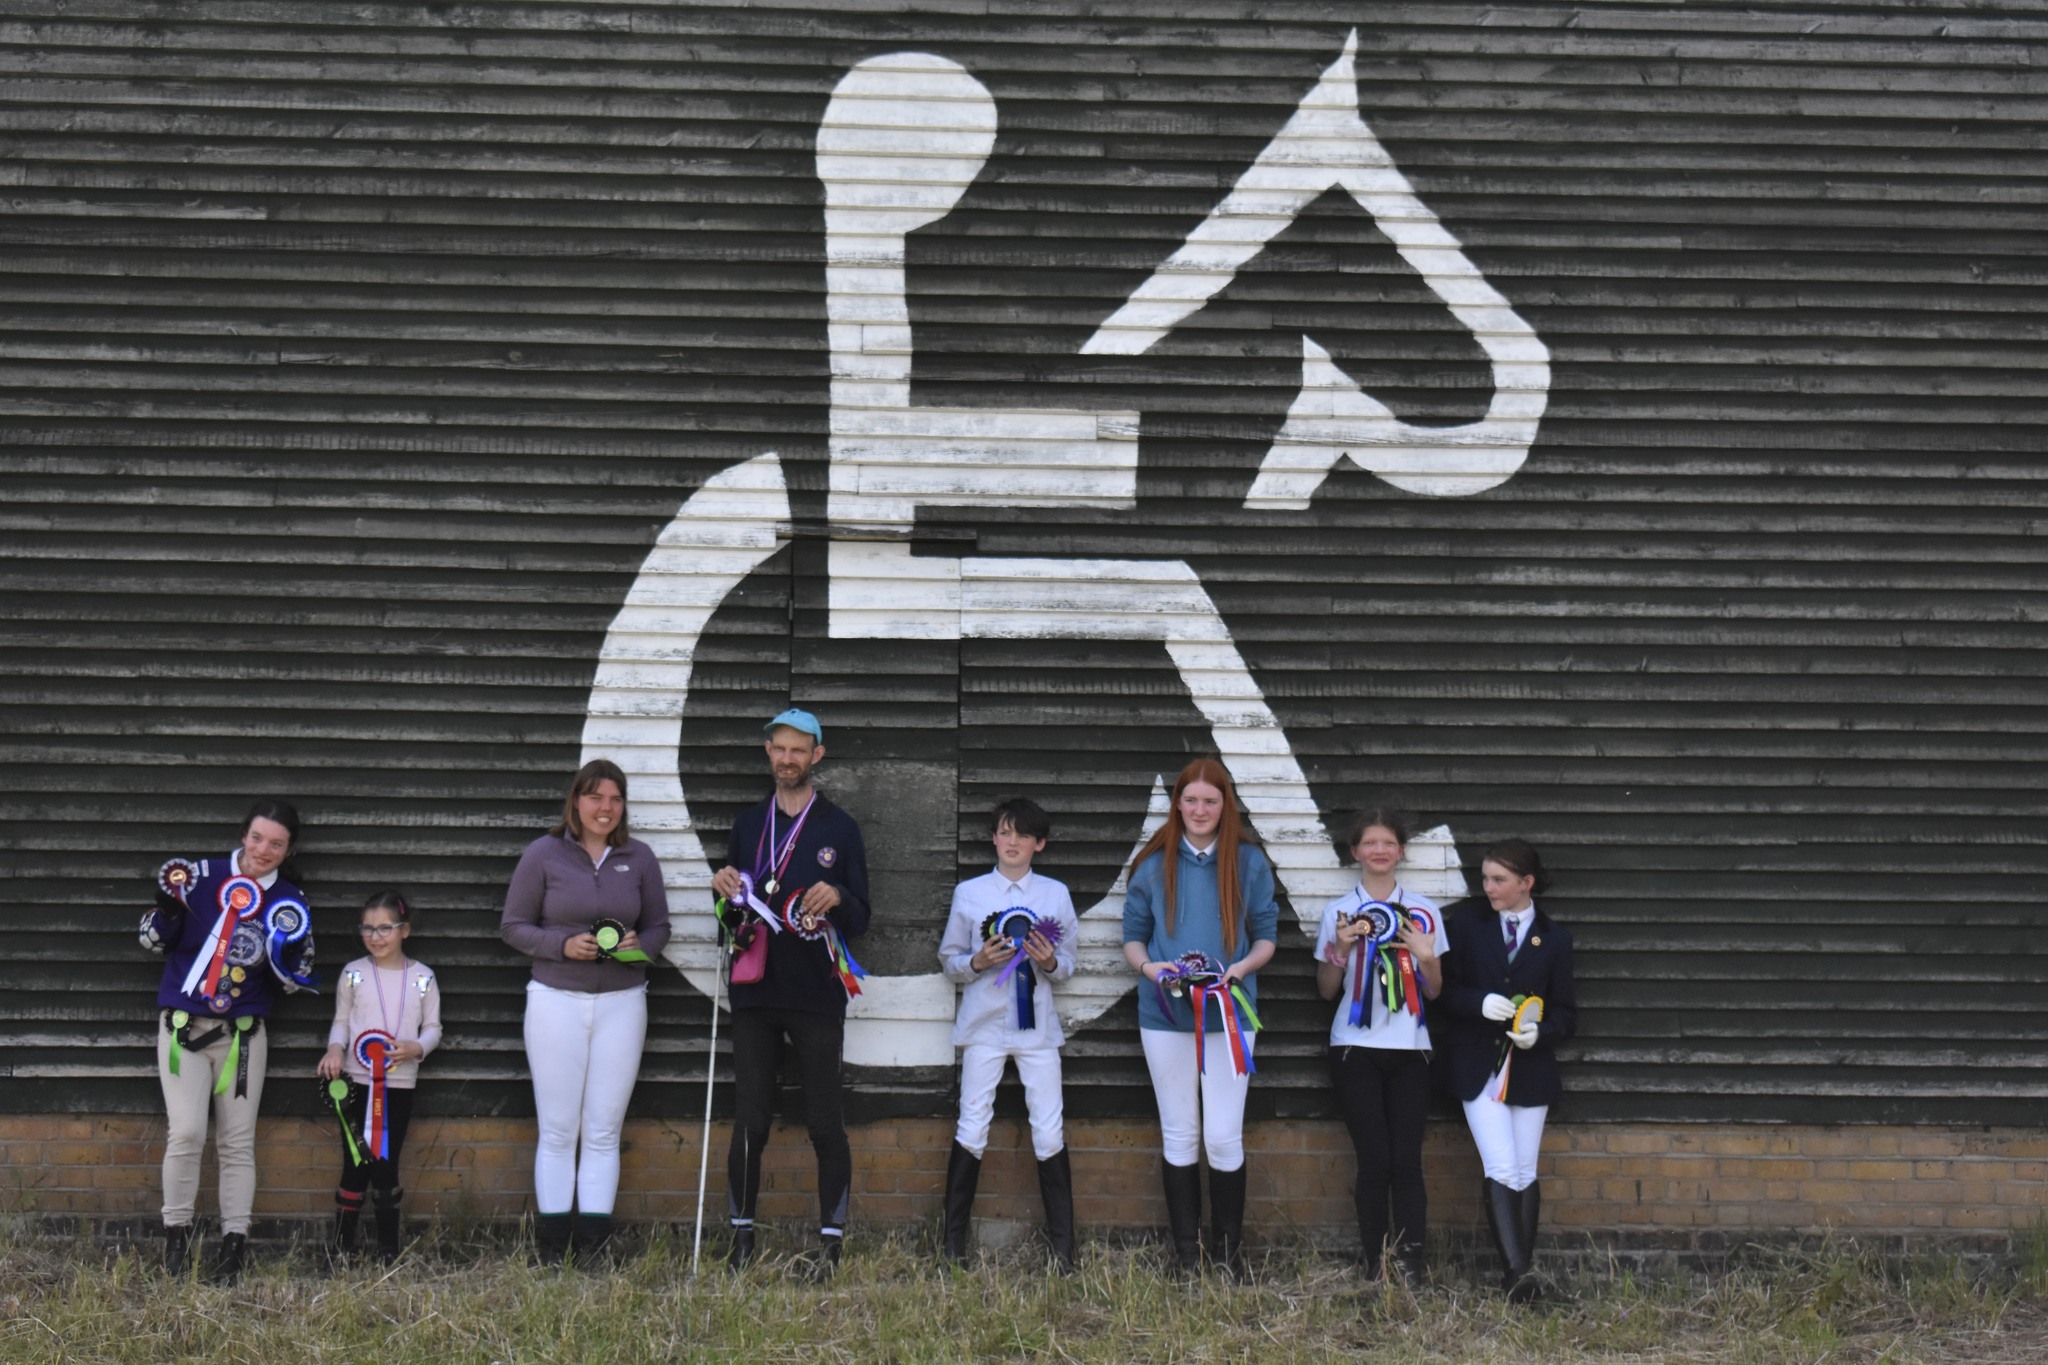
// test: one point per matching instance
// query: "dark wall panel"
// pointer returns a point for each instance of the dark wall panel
(352, 358)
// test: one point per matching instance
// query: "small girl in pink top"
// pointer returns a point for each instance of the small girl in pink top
(387, 1017)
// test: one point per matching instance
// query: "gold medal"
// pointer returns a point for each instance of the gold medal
(237, 974)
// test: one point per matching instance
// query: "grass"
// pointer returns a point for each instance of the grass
(453, 1303)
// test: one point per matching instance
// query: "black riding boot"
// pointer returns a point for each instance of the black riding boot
(741, 1253)
(1528, 1204)
(1184, 1213)
(591, 1240)
(386, 1212)
(1503, 1215)
(1056, 1188)
(963, 1173)
(1226, 1220)
(177, 1248)
(227, 1263)
(827, 1264)
(550, 1238)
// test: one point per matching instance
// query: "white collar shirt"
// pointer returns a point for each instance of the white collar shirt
(988, 1012)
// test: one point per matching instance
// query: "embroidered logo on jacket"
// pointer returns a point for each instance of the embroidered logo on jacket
(827, 856)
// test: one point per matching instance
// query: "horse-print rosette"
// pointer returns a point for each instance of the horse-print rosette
(177, 877)
(245, 945)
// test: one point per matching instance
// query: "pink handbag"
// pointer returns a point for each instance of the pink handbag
(750, 964)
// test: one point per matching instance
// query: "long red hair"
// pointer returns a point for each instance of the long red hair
(1230, 832)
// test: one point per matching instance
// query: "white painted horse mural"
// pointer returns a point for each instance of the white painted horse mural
(902, 139)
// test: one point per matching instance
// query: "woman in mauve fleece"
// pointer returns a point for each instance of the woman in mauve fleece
(586, 904)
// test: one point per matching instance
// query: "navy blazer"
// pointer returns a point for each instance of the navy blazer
(1467, 1042)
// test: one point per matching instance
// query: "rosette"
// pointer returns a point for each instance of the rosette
(288, 926)
(177, 877)
(820, 929)
(240, 898)
(609, 934)
(336, 1093)
(1016, 926)
(1377, 958)
(1201, 978)
(373, 1048)
(1528, 1014)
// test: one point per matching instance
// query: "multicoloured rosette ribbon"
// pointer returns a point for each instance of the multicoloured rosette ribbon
(335, 1092)
(819, 929)
(1201, 977)
(1376, 957)
(287, 925)
(609, 934)
(1018, 926)
(1528, 1013)
(240, 899)
(373, 1048)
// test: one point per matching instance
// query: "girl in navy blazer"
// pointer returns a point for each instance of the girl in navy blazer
(1502, 950)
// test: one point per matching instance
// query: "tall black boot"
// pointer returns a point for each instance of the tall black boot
(227, 1263)
(963, 1173)
(1056, 1188)
(177, 1248)
(1184, 1213)
(386, 1211)
(1528, 1205)
(550, 1238)
(1503, 1215)
(590, 1242)
(740, 1254)
(343, 1237)
(1226, 1221)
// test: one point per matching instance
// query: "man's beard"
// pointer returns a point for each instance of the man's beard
(792, 783)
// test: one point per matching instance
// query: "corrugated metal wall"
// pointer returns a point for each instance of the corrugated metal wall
(352, 358)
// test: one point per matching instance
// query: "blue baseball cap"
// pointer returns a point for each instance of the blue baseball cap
(797, 719)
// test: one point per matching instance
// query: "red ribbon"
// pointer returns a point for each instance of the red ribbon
(1406, 961)
(233, 909)
(379, 1124)
(1233, 1028)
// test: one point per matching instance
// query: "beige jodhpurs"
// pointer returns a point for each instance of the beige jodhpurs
(187, 1096)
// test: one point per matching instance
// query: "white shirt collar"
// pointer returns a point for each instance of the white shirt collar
(235, 868)
(1022, 886)
(1201, 854)
(1521, 917)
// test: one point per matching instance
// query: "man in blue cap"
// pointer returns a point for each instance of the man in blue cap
(796, 877)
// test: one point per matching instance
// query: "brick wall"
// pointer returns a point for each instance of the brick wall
(1677, 1186)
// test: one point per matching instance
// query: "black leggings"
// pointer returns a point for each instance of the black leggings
(757, 1036)
(1383, 1095)
(382, 1174)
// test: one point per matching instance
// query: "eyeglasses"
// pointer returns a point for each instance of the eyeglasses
(379, 930)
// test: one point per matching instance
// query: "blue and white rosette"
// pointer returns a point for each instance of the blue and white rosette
(287, 927)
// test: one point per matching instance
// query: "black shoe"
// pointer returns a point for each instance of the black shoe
(1409, 1265)
(963, 1173)
(1226, 1221)
(550, 1238)
(1503, 1215)
(741, 1253)
(1056, 1189)
(177, 1248)
(1184, 1213)
(344, 1235)
(826, 1265)
(387, 1215)
(590, 1244)
(227, 1262)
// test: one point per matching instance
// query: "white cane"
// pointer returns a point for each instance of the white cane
(710, 1074)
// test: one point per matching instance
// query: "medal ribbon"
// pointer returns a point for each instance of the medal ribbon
(754, 903)
(780, 854)
(240, 897)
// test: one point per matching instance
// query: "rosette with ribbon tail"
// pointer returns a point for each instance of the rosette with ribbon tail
(819, 929)
(1204, 980)
(750, 897)
(1528, 1013)
(1016, 926)
(373, 1048)
(1368, 955)
(287, 924)
(335, 1093)
(240, 898)
(176, 877)
(609, 934)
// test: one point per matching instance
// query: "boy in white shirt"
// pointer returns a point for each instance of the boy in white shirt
(1006, 1013)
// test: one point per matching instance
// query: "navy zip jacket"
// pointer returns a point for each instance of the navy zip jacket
(800, 974)
(182, 928)
(1467, 1042)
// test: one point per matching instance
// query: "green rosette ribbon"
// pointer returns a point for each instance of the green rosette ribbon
(609, 934)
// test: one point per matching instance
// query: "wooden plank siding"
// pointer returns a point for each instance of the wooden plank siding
(353, 357)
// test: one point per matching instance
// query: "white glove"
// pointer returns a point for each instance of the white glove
(1526, 1039)
(1498, 1008)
